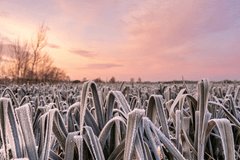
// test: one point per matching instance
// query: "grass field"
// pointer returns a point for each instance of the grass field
(120, 121)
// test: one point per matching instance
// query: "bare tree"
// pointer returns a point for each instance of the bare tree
(21, 57)
(37, 46)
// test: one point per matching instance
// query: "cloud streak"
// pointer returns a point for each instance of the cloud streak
(83, 53)
(100, 66)
(54, 46)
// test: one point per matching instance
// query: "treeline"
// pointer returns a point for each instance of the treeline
(28, 62)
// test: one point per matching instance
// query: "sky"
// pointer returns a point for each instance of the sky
(157, 40)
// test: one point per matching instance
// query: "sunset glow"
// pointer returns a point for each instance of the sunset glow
(156, 40)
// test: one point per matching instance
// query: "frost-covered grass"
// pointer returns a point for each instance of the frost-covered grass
(120, 121)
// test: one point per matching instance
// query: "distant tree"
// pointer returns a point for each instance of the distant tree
(112, 80)
(76, 81)
(98, 80)
(132, 80)
(227, 81)
(139, 80)
(84, 79)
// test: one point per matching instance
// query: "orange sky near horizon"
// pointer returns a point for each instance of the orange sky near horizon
(156, 40)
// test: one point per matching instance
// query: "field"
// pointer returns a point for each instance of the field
(120, 121)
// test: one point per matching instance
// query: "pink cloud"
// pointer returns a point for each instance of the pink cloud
(54, 46)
